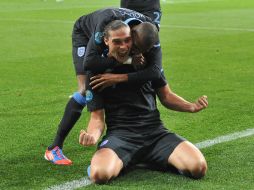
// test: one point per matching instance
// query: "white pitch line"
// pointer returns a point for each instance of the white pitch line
(225, 138)
(204, 144)
(72, 184)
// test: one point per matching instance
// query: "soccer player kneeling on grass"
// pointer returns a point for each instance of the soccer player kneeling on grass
(135, 133)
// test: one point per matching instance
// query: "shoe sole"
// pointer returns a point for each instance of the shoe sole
(46, 158)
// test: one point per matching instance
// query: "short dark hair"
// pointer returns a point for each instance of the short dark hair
(146, 35)
(112, 26)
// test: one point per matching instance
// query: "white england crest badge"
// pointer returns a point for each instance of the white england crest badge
(81, 51)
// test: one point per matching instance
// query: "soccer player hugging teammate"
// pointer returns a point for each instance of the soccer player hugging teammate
(135, 133)
(87, 41)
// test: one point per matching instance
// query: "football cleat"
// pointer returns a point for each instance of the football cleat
(56, 156)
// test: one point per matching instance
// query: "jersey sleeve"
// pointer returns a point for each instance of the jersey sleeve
(153, 69)
(94, 99)
(94, 60)
(158, 83)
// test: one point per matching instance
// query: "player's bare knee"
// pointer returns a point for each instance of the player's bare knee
(100, 175)
(199, 169)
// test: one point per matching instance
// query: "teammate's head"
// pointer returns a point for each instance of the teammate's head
(117, 36)
(144, 36)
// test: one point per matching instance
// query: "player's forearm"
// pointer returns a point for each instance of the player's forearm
(95, 129)
(121, 78)
(174, 102)
(96, 126)
(177, 103)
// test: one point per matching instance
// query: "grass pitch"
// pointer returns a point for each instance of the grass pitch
(207, 49)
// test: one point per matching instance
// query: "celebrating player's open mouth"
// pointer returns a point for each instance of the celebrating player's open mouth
(123, 55)
(120, 55)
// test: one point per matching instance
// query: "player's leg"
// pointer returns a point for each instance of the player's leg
(114, 153)
(71, 115)
(169, 149)
(72, 112)
(81, 78)
(105, 165)
(188, 160)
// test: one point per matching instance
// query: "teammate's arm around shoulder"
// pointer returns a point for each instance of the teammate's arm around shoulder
(94, 130)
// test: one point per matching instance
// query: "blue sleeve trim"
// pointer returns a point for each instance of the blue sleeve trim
(79, 98)
(130, 20)
(98, 38)
(157, 45)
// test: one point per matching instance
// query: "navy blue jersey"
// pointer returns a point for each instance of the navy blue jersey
(95, 22)
(91, 27)
(150, 8)
(125, 104)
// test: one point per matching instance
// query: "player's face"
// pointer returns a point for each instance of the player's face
(119, 43)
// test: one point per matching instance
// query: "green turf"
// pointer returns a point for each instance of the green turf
(207, 49)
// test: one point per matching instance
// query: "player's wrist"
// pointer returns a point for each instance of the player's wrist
(122, 78)
(192, 108)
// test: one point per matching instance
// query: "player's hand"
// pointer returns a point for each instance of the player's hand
(200, 104)
(138, 61)
(102, 81)
(86, 139)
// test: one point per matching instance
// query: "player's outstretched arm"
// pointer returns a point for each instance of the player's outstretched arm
(94, 130)
(174, 102)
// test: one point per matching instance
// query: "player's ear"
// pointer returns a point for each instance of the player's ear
(106, 40)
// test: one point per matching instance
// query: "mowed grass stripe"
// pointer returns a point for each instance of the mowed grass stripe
(163, 26)
(187, 1)
(208, 28)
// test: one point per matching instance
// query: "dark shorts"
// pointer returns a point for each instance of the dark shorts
(78, 54)
(79, 44)
(152, 149)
